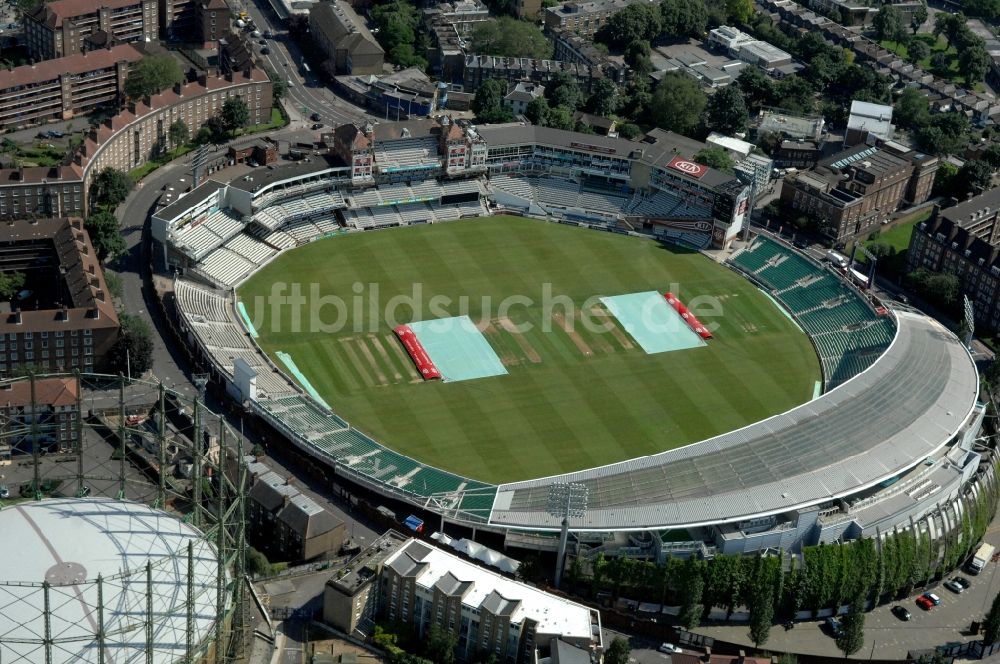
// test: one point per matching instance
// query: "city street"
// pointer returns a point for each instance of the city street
(306, 95)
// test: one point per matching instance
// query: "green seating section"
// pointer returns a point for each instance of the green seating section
(352, 450)
(848, 335)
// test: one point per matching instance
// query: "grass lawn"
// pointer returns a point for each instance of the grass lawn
(572, 399)
(897, 237)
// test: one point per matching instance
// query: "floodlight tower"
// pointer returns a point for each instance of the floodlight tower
(566, 499)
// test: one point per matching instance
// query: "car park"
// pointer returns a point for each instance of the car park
(901, 612)
(954, 586)
(669, 648)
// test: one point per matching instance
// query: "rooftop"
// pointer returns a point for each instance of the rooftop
(54, 392)
(554, 615)
(81, 63)
(54, 13)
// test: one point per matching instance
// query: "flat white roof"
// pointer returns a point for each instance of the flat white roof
(554, 615)
(69, 542)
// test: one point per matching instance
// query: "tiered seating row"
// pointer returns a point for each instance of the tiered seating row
(211, 233)
(848, 335)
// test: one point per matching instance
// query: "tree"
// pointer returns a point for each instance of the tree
(488, 103)
(715, 158)
(537, 110)
(440, 644)
(727, 111)
(888, 24)
(641, 21)
(919, 17)
(637, 51)
(757, 87)
(692, 594)
(279, 85)
(629, 131)
(563, 90)
(739, 11)
(988, 9)
(852, 629)
(974, 177)
(152, 74)
(678, 103)
(940, 63)
(991, 626)
(559, 117)
(397, 23)
(178, 132)
(234, 114)
(105, 234)
(110, 187)
(684, 18)
(10, 284)
(911, 110)
(257, 563)
(918, 51)
(510, 37)
(604, 97)
(618, 652)
(761, 617)
(973, 63)
(132, 352)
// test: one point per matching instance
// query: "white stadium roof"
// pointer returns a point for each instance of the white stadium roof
(68, 543)
(903, 408)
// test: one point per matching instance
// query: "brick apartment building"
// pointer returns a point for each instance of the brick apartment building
(126, 141)
(964, 240)
(61, 28)
(345, 39)
(51, 418)
(854, 191)
(213, 19)
(65, 319)
(405, 580)
(64, 87)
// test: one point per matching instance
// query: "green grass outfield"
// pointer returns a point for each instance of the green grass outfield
(570, 401)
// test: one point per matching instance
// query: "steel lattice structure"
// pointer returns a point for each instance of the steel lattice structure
(156, 479)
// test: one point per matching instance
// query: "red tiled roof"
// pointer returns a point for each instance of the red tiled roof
(80, 63)
(48, 391)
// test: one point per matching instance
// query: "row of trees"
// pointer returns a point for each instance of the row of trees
(828, 577)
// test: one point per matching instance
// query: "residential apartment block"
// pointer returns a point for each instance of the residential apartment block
(66, 320)
(61, 28)
(410, 581)
(46, 412)
(178, 18)
(853, 192)
(345, 39)
(583, 18)
(964, 240)
(64, 87)
(213, 18)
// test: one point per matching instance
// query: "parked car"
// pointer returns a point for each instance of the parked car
(934, 599)
(925, 603)
(25, 294)
(669, 648)
(318, 125)
(4, 491)
(264, 50)
(268, 35)
(315, 117)
(801, 244)
(54, 133)
(954, 586)
(900, 612)
(833, 626)
(962, 581)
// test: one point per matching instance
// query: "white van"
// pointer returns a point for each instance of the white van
(837, 259)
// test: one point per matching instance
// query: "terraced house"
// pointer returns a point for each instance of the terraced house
(61, 28)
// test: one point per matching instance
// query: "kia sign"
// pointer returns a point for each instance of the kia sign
(687, 167)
